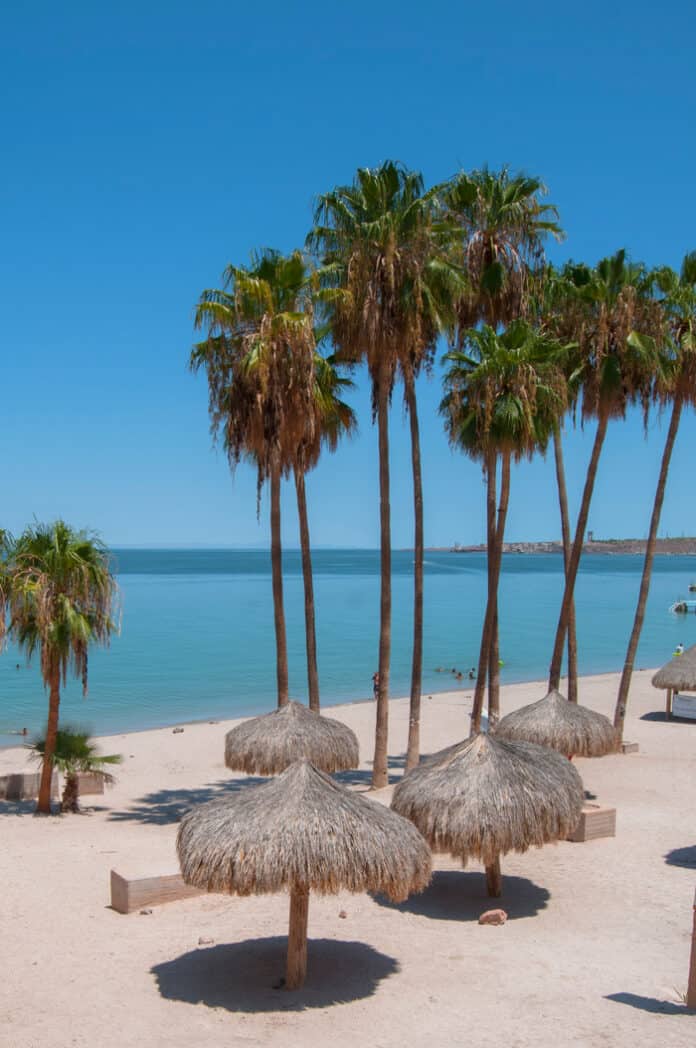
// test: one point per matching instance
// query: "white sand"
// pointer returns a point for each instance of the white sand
(595, 951)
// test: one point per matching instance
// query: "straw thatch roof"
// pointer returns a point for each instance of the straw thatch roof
(267, 745)
(562, 725)
(487, 796)
(679, 673)
(302, 831)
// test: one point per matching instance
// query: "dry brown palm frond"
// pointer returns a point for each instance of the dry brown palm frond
(564, 726)
(304, 832)
(487, 796)
(268, 744)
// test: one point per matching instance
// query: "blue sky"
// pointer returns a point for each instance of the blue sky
(146, 146)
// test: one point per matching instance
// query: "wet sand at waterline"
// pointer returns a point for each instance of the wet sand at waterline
(595, 950)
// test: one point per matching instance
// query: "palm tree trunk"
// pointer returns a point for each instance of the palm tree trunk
(380, 776)
(71, 794)
(565, 530)
(622, 699)
(310, 632)
(44, 802)
(575, 554)
(494, 663)
(277, 572)
(413, 749)
(489, 617)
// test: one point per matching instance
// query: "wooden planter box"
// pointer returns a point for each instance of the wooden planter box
(131, 893)
(88, 782)
(595, 821)
(24, 786)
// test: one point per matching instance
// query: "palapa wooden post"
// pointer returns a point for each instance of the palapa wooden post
(668, 704)
(297, 940)
(691, 987)
(494, 880)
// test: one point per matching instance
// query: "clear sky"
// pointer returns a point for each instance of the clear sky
(147, 145)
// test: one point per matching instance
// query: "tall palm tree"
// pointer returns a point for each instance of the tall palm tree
(61, 598)
(383, 275)
(501, 225)
(612, 315)
(503, 399)
(259, 359)
(331, 419)
(678, 298)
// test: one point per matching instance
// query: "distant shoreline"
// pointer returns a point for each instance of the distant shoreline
(610, 547)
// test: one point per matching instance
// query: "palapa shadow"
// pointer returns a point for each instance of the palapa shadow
(455, 895)
(164, 807)
(245, 976)
(660, 715)
(682, 857)
(18, 807)
(650, 1004)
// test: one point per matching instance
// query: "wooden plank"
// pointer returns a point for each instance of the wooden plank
(595, 821)
(129, 893)
(630, 747)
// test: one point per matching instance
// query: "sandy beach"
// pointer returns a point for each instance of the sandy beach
(595, 951)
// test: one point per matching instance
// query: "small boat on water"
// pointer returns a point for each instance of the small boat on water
(683, 607)
(692, 587)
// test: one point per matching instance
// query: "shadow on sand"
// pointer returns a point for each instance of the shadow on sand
(363, 777)
(660, 715)
(169, 806)
(682, 857)
(244, 976)
(455, 895)
(651, 1004)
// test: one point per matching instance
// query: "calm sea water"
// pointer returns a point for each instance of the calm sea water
(197, 634)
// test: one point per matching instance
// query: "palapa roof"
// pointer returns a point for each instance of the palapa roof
(302, 831)
(679, 673)
(268, 744)
(487, 796)
(562, 725)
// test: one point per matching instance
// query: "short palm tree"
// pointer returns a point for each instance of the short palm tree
(503, 398)
(612, 315)
(61, 596)
(388, 289)
(331, 420)
(259, 357)
(677, 295)
(74, 753)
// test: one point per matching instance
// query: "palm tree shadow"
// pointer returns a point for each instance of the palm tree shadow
(682, 857)
(245, 976)
(455, 895)
(650, 1004)
(363, 776)
(164, 807)
(18, 807)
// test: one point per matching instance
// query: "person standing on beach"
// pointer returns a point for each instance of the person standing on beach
(375, 685)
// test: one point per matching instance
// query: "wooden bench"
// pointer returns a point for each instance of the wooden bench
(134, 892)
(595, 821)
(89, 782)
(24, 785)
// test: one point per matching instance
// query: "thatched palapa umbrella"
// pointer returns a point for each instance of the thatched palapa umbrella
(304, 832)
(487, 796)
(679, 674)
(268, 744)
(561, 725)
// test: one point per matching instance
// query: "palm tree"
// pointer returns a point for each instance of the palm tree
(332, 419)
(61, 598)
(383, 273)
(501, 226)
(611, 314)
(503, 399)
(74, 753)
(259, 359)
(678, 297)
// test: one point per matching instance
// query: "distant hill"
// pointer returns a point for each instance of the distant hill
(672, 547)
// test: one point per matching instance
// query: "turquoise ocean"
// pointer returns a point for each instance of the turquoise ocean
(197, 641)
